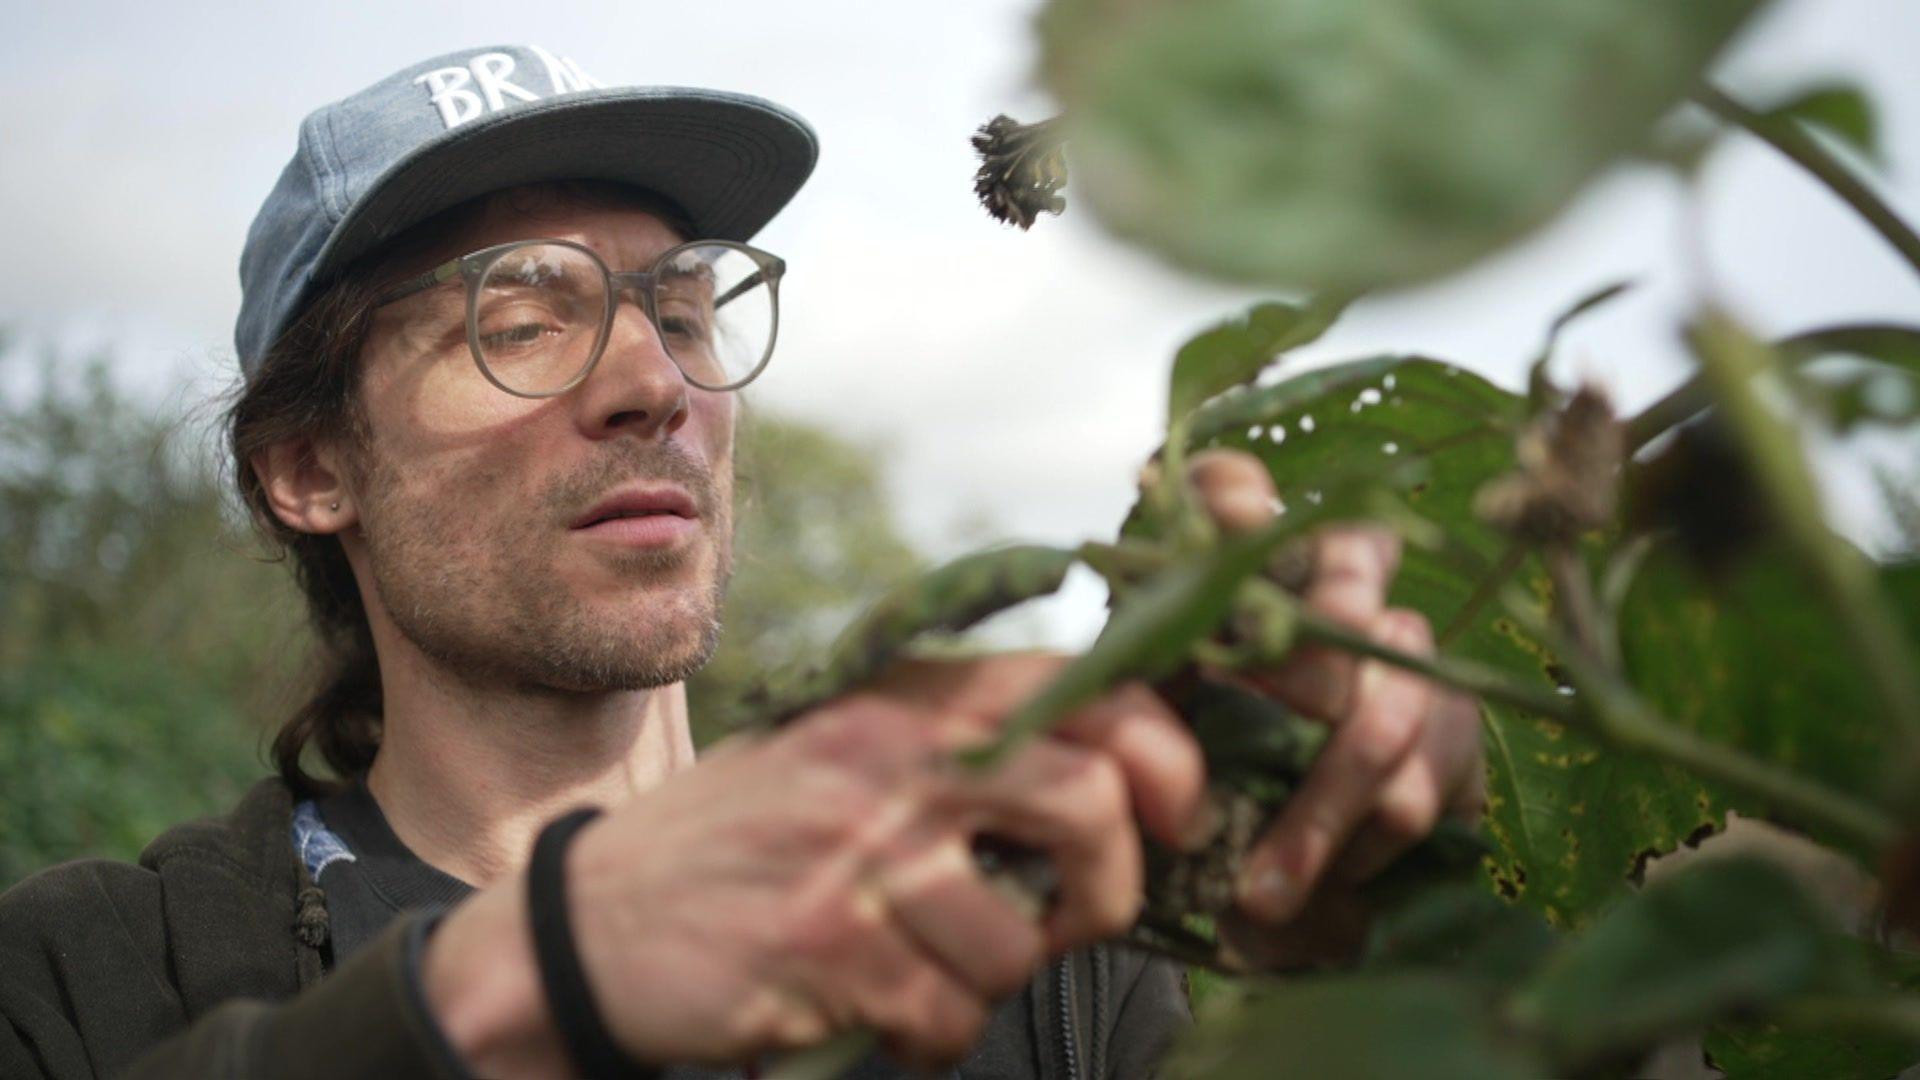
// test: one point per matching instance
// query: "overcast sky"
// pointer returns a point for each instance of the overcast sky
(1019, 378)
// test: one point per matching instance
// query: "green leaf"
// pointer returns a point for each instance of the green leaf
(1866, 373)
(1723, 935)
(1771, 1051)
(1235, 351)
(1888, 343)
(1401, 1025)
(1843, 111)
(1693, 648)
(1570, 823)
(1349, 144)
(1463, 930)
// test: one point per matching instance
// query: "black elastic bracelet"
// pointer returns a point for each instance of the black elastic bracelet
(589, 1045)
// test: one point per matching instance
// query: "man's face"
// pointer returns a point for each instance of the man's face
(580, 542)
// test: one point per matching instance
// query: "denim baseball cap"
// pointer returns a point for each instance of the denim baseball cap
(461, 125)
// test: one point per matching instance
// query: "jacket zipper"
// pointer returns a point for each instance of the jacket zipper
(1063, 999)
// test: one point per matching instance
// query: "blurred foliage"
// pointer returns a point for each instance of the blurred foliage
(1351, 144)
(137, 640)
(147, 649)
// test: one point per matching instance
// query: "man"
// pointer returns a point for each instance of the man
(494, 316)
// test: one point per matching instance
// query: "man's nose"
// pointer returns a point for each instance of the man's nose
(636, 388)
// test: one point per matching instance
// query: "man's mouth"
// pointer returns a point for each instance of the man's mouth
(644, 516)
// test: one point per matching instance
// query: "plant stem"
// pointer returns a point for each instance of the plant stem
(1578, 609)
(1478, 679)
(1682, 403)
(1786, 136)
(1733, 363)
(1609, 709)
(1484, 592)
(1897, 1015)
(1693, 396)
(1623, 720)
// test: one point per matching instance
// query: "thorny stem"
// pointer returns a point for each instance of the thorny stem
(1613, 711)
(1733, 363)
(1786, 136)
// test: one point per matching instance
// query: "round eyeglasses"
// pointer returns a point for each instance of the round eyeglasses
(539, 312)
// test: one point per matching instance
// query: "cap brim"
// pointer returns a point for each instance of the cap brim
(731, 161)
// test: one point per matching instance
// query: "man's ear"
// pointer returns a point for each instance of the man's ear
(305, 483)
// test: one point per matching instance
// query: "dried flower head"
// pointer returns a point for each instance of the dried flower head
(1022, 169)
(1568, 478)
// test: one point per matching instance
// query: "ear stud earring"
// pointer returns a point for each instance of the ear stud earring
(333, 506)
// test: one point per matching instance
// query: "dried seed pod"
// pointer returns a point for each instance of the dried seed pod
(1022, 169)
(1568, 477)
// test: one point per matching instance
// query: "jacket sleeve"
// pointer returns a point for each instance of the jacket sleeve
(87, 990)
(366, 1019)
(1150, 1011)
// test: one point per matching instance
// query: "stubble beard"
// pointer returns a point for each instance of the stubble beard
(484, 609)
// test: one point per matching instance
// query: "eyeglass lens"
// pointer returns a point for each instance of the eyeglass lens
(539, 311)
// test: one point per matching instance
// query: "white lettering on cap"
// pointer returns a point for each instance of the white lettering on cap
(565, 74)
(449, 88)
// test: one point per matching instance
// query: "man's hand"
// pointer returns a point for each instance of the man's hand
(821, 878)
(1403, 753)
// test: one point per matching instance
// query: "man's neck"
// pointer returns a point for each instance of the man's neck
(467, 776)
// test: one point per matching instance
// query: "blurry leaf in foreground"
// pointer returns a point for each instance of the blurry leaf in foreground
(1461, 930)
(1405, 1025)
(1859, 374)
(1349, 144)
(1771, 1051)
(1721, 935)
(1843, 111)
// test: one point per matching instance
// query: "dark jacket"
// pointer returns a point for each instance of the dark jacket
(207, 960)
